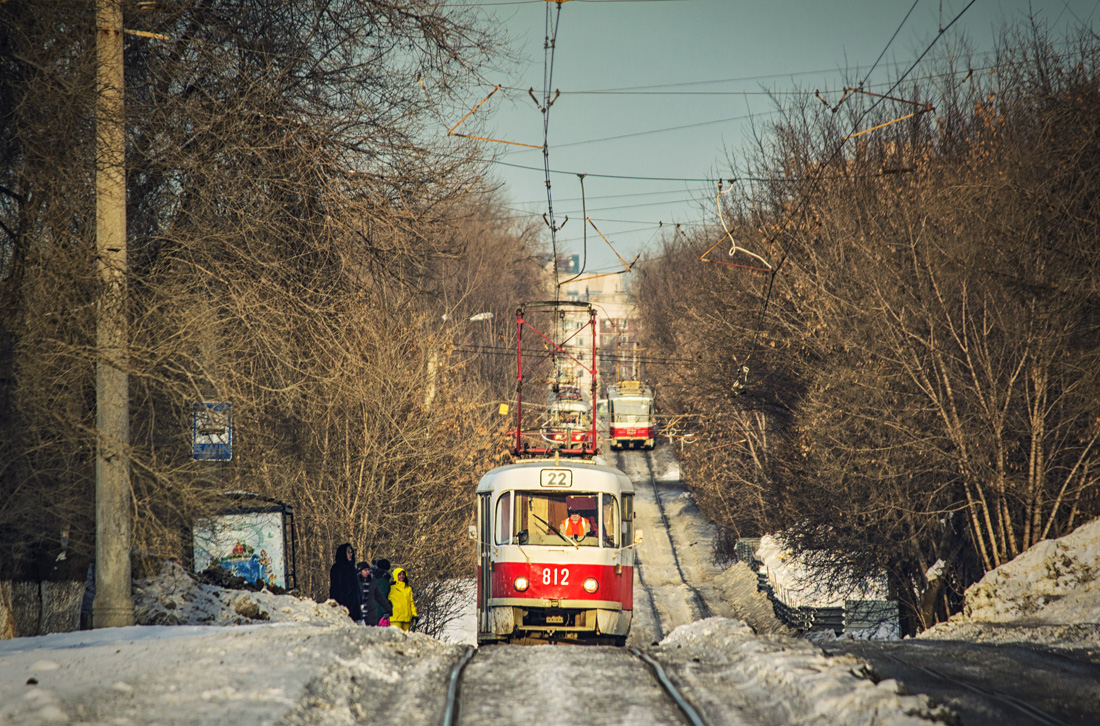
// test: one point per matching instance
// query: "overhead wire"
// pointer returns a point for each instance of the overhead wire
(584, 215)
(650, 132)
(549, 47)
(651, 89)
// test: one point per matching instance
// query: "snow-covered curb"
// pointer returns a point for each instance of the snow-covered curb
(787, 680)
(175, 598)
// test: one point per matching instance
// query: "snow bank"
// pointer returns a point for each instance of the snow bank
(1049, 594)
(174, 597)
(786, 680)
(799, 584)
(291, 673)
(1054, 582)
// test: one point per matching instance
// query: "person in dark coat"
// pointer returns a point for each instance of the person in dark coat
(375, 604)
(344, 581)
(382, 577)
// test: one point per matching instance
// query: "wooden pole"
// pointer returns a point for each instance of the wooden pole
(113, 605)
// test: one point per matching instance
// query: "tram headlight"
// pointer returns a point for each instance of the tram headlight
(521, 584)
(590, 585)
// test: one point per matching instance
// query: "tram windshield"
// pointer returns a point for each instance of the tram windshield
(631, 410)
(587, 520)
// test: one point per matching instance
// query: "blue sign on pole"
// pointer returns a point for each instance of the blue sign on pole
(211, 432)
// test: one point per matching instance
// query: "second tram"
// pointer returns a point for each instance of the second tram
(630, 415)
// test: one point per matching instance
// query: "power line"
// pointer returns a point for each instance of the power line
(710, 180)
(629, 90)
(678, 190)
(636, 134)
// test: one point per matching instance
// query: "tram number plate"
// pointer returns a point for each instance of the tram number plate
(555, 619)
(558, 478)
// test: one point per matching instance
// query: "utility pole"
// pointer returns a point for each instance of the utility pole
(113, 605)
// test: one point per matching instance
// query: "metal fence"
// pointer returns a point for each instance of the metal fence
(854, 615)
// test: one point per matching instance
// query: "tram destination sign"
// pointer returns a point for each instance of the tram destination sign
(556, 478)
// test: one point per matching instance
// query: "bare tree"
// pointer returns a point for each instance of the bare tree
(291, 204)
(926, 354)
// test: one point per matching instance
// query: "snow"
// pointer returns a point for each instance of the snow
(1050, 594)
(274, 657)
(799, 584)
(208, 655)
(175, 598)
(1054, 582)
(789, 680)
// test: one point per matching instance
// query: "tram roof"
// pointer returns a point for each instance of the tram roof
(587, 476)
(629, 389)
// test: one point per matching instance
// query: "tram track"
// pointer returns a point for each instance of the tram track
(1032, 713)
(672, 701)
(638, 567)
(700, 602)
(690, 714)
(696, 602)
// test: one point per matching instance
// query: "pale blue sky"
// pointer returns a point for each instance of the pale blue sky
(733, 46)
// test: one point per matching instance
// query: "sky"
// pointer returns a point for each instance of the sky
(687, 75)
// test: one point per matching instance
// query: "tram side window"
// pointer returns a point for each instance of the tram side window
(628, 519)
(504, 519)
(609, 520)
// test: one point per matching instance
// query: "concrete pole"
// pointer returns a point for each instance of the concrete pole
(113, 605)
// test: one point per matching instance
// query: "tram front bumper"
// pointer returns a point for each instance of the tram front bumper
(536, 602)
(566, 617)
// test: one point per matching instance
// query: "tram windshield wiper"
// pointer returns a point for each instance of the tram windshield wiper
(555, 531)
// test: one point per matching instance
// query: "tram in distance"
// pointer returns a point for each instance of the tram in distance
(630, 415)
(568, 422)
(556, 553)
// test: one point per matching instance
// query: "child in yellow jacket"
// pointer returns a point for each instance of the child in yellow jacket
(401, 596)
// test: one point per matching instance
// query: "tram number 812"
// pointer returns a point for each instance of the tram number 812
(546, 576)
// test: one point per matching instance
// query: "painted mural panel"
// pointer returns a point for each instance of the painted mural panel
(250, 545)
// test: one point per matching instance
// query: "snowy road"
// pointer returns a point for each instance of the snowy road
(515, 684)
(1005, 684)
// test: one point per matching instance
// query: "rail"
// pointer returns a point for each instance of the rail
(450, 710)
(1032, 712)
(700, 603)
(670, 689)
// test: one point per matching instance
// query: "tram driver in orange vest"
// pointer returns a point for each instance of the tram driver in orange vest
(575, 526)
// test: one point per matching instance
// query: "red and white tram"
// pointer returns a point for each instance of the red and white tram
(555, 553)
(630, 415)
(568, 424)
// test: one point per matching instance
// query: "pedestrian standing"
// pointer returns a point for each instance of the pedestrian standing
(375, 605)
(384, 581)
(343, 581)
(401, 595)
